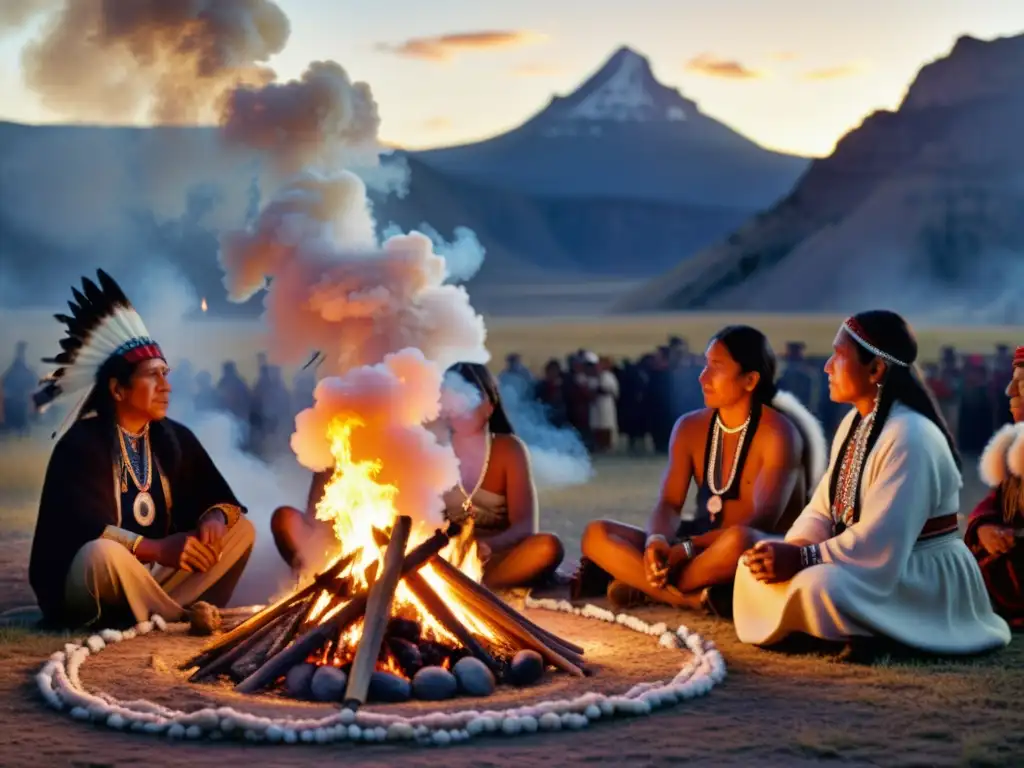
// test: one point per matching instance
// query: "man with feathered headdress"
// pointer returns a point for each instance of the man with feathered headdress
(996, 526)
(134, 519)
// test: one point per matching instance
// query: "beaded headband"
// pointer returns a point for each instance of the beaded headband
(102, 325)
(852, 327)
(1018, 356)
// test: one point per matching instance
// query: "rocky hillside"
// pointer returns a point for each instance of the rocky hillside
(920, 209)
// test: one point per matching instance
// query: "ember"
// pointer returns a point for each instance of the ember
(392, 616)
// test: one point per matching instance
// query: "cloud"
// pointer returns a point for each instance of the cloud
(537, 69)
(437, 124)
(712, 66)
(833, 73)
(784, 56)
(446, 47)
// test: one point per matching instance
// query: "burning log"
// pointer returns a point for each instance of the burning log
(433, 603)
(453, 574)
(225, 660)
(437, 608)
(378, 613)
(327, 630)
(324, 581)
(298, 619)
(509, 621)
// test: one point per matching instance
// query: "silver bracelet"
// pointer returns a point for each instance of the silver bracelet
(810, 556)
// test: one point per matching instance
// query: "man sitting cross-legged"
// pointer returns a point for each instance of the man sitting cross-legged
(753, 462)
(135, 518)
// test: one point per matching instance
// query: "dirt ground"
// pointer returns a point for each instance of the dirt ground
(772, 710)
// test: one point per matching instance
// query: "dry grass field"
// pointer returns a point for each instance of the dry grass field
(773, 710)
(208, 342)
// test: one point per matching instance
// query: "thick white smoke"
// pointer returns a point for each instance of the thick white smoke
(392, 401)
(463, 256)
(380, 314)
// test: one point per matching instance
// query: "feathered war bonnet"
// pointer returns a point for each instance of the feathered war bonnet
(103, 325)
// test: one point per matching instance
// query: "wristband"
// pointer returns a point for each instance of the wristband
(655, 537)
(810, 556)
(687, 548)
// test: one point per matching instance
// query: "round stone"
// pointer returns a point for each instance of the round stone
(526, 668)
(328, 684)
(434, 684)
(473, 676)
(299, 679)
(389, 688)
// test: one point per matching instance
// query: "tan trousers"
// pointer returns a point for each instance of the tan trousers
(105, 578)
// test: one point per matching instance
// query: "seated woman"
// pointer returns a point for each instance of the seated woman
(995, 528)
(753, 452)
(502, 502)
(134, 518)
(876, 554)
(496, 488)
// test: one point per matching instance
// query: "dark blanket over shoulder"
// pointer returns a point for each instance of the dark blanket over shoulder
(79, 502)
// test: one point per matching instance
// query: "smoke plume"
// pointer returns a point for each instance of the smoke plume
(172, 60)
(15, 13)
(323, 120)
(463, 256)
(392, 402)
(334, 291)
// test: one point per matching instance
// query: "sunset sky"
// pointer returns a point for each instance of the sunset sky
(794, 75)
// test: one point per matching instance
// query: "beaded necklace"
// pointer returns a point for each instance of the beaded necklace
(850, 471)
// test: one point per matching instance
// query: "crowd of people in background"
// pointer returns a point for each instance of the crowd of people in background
(629, 405)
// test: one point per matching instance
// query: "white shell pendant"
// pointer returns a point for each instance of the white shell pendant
(144, 509)
(714, 505)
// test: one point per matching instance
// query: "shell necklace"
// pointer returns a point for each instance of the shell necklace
(715, 501)
(467, 505)
(144, 508)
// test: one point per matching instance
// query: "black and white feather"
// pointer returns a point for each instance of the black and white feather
(102, 322)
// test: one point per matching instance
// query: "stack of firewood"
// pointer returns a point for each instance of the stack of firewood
(262, 649)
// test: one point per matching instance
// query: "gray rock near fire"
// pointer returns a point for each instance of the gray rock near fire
(328, 684)
(474, 677)
(388, 688)
(299, 680)
(434, 684)
(526, 668)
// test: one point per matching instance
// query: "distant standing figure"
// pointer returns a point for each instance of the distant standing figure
(16, 385)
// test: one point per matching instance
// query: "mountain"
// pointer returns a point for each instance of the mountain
(624, 135)
(921, 209)
(615, 182)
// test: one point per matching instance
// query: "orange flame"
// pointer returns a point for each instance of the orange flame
(356, 505)
(202, 304)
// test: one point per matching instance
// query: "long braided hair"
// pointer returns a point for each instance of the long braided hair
(885, 335)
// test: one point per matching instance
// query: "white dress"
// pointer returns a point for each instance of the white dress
(876, 577)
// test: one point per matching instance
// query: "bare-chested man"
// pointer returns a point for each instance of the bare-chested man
(754, 464)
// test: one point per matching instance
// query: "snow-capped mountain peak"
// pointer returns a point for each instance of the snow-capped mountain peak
(623, 90)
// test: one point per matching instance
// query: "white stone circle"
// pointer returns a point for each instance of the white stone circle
(61, 687)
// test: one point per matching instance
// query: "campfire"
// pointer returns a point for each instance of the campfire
(399, 612)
